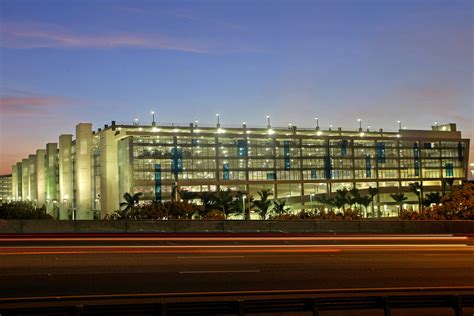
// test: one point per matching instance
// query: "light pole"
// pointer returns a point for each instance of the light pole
(218, 120)
(268, 122)
(135, 121)
(436, 124)
(153, 123)
(311, 199)
(196, 123)
(243, 205)
(399, 125)
(317, 123)
(360, 124)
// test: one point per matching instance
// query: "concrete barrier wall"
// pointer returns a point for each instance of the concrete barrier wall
(237, 226)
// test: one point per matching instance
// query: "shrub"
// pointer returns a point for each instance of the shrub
(22, 210)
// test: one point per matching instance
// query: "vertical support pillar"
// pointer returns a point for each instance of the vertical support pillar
(109, 180)
(65, 176)
(51, 166)
(83, 171)
(41, 177)
(32, 188)
(25, 190)
(14, 182)
(20, 180)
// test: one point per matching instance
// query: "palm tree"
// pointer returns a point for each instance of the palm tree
(224, 201)
(186, 195)
(341, 198)
(279, 207)
(208, 200)
(365, 202)
(354, 199)
(264, 203)
(399, 198)
(130, 201)
(432, 198)
(325, 200)
(417, 188)
(372, 193)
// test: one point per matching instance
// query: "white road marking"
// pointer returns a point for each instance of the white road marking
(222, 271)
(210, 257)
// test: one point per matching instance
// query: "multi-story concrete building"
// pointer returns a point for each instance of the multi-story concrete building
(86, 177)
(5, 188)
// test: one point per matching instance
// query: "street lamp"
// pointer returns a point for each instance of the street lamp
(399, 125)
(317, 123)
(153, 123)
(268, 122)
(196, 123)
(368, 128)
(360, 124)
(135, 121)
(436, 123)
(330, 127)
(218, 120)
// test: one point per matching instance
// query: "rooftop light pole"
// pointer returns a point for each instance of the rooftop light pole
(368, 128)
(268, 122)
(360, 124)
(244, 124)
(135, 121)
(330, 126)
(218, 120)
(436, 124)
(196, 123)
(399, 125)
(153, 123)
(317, 123)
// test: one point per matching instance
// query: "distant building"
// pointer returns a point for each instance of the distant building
(5, 188)
(86, 177)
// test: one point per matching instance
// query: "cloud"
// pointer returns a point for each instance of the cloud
(41, 35)
(27, 105)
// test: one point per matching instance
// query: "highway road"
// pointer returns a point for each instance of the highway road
(32, 266)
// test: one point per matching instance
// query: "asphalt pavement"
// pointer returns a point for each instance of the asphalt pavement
(35, 266)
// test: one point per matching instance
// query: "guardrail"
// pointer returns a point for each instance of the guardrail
(242, 304)
(237, 226)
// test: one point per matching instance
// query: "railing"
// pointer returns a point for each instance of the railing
(240, 304)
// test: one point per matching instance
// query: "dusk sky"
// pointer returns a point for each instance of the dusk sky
(64, 62)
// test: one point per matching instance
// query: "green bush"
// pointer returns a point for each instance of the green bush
(22, 210)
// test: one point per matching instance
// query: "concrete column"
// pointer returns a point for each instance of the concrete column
(25, 189)
(83, 177)
(52, 171)
(65, 176)
(14, 183)
(20, 180)
(109, 181)
(41, 177)
(33, 189)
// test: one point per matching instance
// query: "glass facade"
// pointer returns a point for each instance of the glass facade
(296, 164)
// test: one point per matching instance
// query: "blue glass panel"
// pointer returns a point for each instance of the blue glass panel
(194, 142)
(449, 169)
(344, 143)
(176, 160)
(380, 147)
(328, 167)
(158, 182)
(271, 176)
(368, 166)
(314, 174)
(416, 158)
(225, 175)
(242, 148)
(460, 157)
(286, 154)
